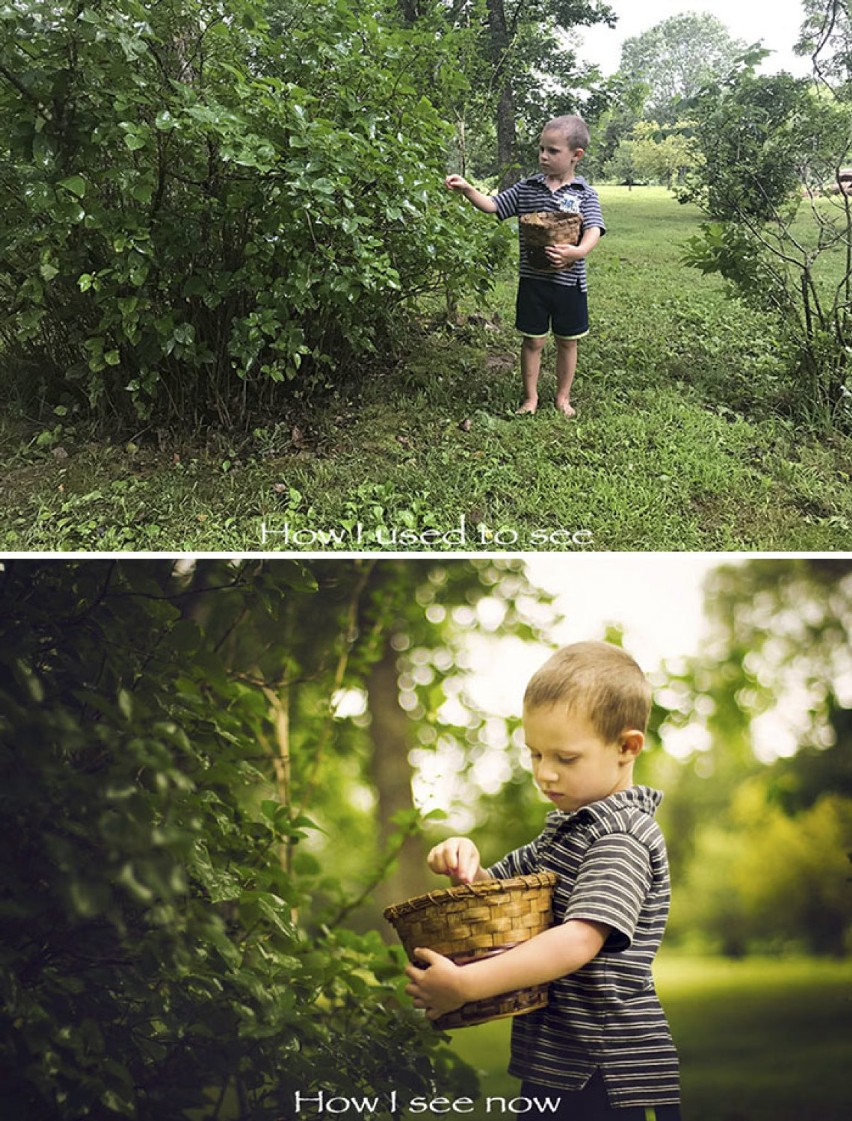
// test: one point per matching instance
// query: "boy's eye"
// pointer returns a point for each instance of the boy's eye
(563, 760)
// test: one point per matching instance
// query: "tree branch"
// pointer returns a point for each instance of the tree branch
(347, 640)
(43, 110)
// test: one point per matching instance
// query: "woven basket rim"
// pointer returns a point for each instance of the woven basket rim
(556, 215)
(477, 888)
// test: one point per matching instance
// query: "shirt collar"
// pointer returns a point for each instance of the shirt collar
(643, 798)
(578, 181)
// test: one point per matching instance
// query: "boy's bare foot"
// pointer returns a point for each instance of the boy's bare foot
(565, 408)
(529, 406)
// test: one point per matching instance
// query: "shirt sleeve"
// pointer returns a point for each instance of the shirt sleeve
(507, 202)
(521, 862)
(611, 887)
(590, 209)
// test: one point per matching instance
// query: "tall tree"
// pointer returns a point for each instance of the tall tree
(675, 58)
(517, 66)
(526, 41)
(428, 613)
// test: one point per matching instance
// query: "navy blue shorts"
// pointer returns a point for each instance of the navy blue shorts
(592, 1104)
(543, 306)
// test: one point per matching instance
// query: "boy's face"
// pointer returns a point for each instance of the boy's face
(572, 764)
(555, 158)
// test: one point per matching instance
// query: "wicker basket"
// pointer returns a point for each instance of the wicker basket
(548, 227)
(475, 921)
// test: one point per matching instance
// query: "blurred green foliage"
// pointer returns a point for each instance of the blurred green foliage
(155, 955)
(758, 811)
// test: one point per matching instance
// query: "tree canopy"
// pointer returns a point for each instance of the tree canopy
(674, 58)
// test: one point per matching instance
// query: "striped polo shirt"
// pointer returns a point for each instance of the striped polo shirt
(610, 857)
(532, 195)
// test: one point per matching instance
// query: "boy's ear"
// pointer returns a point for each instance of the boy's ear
(630, 743)
(579, 153)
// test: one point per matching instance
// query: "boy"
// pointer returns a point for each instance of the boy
(603, 1040)
(556, 298)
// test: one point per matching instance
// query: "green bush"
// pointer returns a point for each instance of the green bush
(155, 960)
(771, 148)
(201, 201)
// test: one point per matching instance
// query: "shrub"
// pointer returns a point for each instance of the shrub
(198, 206)
(769, 146)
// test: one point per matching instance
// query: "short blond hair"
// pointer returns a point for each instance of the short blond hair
(598, 680)
(573, 128)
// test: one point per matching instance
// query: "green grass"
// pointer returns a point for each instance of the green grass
(759, 1040)
(680, 441)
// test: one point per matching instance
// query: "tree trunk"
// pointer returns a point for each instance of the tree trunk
(500, 42)
(410, 11)
(507, 138)
(391, 774)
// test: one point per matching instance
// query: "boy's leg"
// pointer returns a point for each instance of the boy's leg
(589, 1104)
(531, 349)
(570, 322)
(532, 319)
(566, 367)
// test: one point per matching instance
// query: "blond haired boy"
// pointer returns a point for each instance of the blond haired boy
(602, 1041)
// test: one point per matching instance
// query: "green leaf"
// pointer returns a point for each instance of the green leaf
(88, 899)
(133, 138)
(76, 184)
(125, 704)
(139, 891)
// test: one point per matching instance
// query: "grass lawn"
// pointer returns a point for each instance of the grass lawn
(679, 443)
(759, 1040)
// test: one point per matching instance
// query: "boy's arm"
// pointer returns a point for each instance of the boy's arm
(563, 949)
(482, 202)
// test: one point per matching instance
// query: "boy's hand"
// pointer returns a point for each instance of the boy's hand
(437, 988)
(563, 255)
(458, 858)
(456, 183)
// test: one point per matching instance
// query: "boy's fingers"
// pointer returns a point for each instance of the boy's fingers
(439, 860)
(456, 857)
(427, 956)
